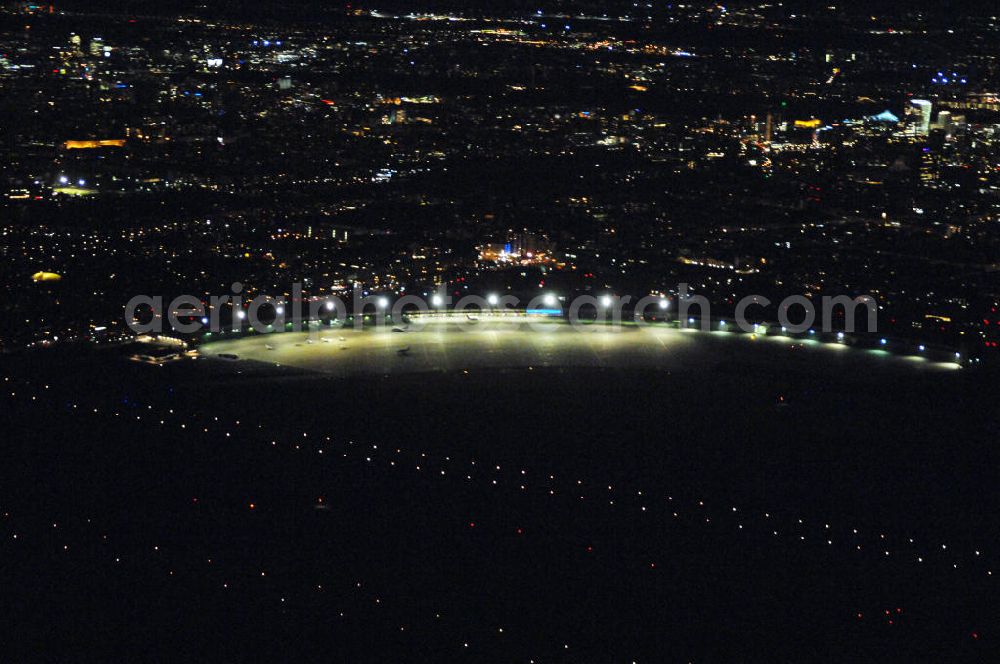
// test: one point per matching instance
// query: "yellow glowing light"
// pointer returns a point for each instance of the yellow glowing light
(89, 145)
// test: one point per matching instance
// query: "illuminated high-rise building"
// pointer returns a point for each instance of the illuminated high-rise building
(922, 109)
(944, 121)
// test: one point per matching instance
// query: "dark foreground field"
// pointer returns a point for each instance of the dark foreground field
(547, 515)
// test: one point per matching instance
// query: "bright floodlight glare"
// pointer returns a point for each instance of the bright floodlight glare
(383, 302)
(493, 300)
(550, 300)
(664, 303)
(241, 314)
(279, 310)
(690, 321)
(81, 182)
(605, 300)
(204, 321)
(329, 305)
(63, 179)
(921, 348)
(883, 341)
(437, 300)
(840, 335)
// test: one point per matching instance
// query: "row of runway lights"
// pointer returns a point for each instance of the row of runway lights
(838, 338)
(305, 435)
(733, 518)
(224, 581)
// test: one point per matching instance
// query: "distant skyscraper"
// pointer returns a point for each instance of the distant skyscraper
(922, 108)
(944, 120)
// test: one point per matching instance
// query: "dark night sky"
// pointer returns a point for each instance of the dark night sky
(277, 8)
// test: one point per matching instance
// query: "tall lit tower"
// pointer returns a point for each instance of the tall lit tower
(922, 108)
